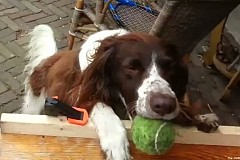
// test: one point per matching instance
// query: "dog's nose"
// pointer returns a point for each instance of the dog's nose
(162, 103)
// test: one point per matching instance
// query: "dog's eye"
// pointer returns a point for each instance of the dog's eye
(135, 65)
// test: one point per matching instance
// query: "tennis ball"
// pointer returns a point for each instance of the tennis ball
(154, 137)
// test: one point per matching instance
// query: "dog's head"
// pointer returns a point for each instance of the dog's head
(143, 70)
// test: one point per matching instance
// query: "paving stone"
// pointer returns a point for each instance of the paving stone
(23, 40)
(43, 7)
(10, 23)
(10, 63)
(228, 118)
(20, 91)
(2, 25)
(7, 97)
(2, 59)
(17, 4)
(32, 24)
(48, 19)
(34, 17)
(31, 7)
(17, 70)
(196, 60)
(20, 14)
(3, 88)
(68, 11)
(70, 6)
(22, 25)
(12, 106)
(9, 80)
(9, 11)
(48, 1)
(20, 78)
(60, 22)
(64, 29)
(61, 3)
(57, 10)
(5, 52)
(7, 4)
(58, 35)
(16, 49)
(5, 32)
(9, 38)
(62, 43)
(33, 0)
(2, 7)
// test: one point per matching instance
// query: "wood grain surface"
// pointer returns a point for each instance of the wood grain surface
(29, 147)
(59, 126)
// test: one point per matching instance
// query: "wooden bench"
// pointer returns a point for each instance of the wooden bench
(43, 137)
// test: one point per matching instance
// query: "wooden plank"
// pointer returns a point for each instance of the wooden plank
(29, 147)
(58, 126)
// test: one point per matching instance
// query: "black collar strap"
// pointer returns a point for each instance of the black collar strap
(64, 109)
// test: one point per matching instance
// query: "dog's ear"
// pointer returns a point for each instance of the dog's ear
(173, 52)
(178, 75)
(95, 79)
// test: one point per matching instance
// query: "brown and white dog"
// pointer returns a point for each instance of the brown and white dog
(146, 74)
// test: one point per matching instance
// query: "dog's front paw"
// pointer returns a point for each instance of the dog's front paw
(207, 122)
(116, 146)
(111, 132)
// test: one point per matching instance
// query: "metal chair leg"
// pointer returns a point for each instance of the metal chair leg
(70, 42)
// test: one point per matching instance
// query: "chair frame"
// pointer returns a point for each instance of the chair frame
(216, 11)
(185, 31)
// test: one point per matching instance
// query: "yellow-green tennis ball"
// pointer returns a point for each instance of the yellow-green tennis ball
(154, 137)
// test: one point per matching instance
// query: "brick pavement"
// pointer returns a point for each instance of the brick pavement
(17, 18)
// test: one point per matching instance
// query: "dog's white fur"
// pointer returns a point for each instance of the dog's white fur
(41, 46)
(93, 42)
(154, 83)
(111, 132)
